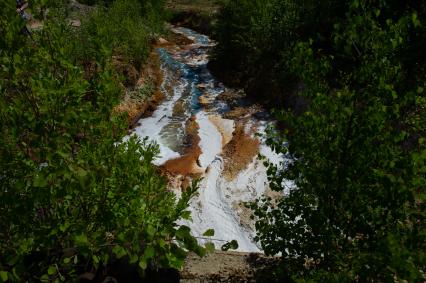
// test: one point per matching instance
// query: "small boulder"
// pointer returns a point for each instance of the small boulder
(162, 41)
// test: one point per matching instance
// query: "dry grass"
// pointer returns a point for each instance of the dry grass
(198, 6)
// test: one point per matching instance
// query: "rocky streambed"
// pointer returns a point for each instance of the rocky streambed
(205, 130)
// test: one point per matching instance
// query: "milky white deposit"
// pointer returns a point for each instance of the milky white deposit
(217, 205)
(151, 127)
(211, 210)
(210, 140)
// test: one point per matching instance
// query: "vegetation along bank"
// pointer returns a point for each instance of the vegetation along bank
(346, 80)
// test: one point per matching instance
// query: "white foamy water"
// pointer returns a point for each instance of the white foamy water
(151, 127)
(212, 210)
(210, 140)
(218, 203)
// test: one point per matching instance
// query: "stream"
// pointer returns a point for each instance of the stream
(200, 134)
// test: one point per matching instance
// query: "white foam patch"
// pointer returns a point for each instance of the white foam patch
(151, 127)
(228, 126)
(212, 210)
(273, 157)
(250, 183)
(210, 140)
(277, 159)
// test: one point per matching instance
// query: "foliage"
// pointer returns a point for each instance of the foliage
(73, 196)
(358, 150)
(256, 40)
(121, 28)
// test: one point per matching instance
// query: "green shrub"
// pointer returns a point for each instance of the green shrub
(256, 41)
(119, 28)
(73, 197)
(357, 214)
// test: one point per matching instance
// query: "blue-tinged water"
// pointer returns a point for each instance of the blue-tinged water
(190, 65)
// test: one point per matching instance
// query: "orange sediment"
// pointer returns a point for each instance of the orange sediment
(187, 164)
(239, 152)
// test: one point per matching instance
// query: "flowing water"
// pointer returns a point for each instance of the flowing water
(186, 83)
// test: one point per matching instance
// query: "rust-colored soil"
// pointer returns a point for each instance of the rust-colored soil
(187, 164)
(239, 152)
(151, 74)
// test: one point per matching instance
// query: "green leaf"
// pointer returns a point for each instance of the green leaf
(150, 230)
(183, 232)
(232, 245)
(95, 259)
(133, 259)
(3, 276)
(119, 251)
(209, 233)
(51, 270)
(149, 252)
(81, 174)
(142, 263)
(67, 260)
(186, 215)
(40, 181)
(377, 12)
(81, 240)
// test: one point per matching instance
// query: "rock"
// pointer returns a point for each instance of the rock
(179, 108)
(87, 277)
(162, 41)
(75, 23)
(205, 100)
(201, 86)
(228, 267)
(110, 279)
(238, 113)
(230, 97)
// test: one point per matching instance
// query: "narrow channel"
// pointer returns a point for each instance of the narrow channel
(205, 130)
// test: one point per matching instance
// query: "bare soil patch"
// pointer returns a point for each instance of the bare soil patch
(239, 152)
(228, 267)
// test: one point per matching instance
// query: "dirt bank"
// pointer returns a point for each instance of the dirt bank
(143, 98)
(142, 88)
(228, 267)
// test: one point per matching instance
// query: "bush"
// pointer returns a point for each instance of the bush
(74, 198)
(358, 152)
(256, 41)
(120, 28)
